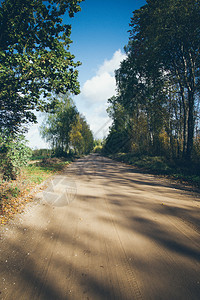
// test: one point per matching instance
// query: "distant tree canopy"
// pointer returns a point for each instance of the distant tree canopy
(66, 130)
(34, 58)
(156, 110)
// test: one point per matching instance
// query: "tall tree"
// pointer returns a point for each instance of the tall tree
(167, 33)
(34, 58)
(57, 127)
(88, 139)
(119, 137)
(65, 129)
(81, 137)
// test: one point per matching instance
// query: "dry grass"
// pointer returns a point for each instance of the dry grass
(15, 194)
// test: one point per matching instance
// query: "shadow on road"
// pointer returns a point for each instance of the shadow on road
(124, 233)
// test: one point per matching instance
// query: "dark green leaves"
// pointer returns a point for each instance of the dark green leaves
(34, 57)
(158, 83)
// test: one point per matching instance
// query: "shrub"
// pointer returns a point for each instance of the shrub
(41, 153)
(97, 149)
(14, 154)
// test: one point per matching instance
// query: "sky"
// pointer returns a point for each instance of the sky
(99, 34)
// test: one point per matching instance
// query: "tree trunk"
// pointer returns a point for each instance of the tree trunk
(189, 75)
(184, 125)
(185, 112)
(190, 136)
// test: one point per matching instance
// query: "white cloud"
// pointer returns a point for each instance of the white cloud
(95, 93)
(102, 86)
(99, 88)
(109, 66)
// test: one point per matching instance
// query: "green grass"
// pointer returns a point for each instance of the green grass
(41, 170)
(15, 194)
(36, 174)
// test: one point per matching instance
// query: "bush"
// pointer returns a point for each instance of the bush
(14, 154)
(41, 153)
(97, 149)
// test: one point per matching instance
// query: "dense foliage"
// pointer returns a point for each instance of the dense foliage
(156, 110)
(34, 58)
(35, 63)
(66, 130)
(13, 155)
(81, 137)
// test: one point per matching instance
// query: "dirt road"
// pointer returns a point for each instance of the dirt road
(103, 230)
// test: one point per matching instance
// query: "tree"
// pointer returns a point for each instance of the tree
(81, 137)
(158, 82)
(65, 129)
(34, 58)
(88, 140)
(119, 137)
(141, 94)
(57, 127)
(76, 138)
(167, 34)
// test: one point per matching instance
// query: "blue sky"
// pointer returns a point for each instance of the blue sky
(99, 34)
(99, 30)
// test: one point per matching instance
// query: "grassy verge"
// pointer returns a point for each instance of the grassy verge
(15, 194)
(178, 170)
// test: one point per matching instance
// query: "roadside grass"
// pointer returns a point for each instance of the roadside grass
(16, 193)
(158, 165)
